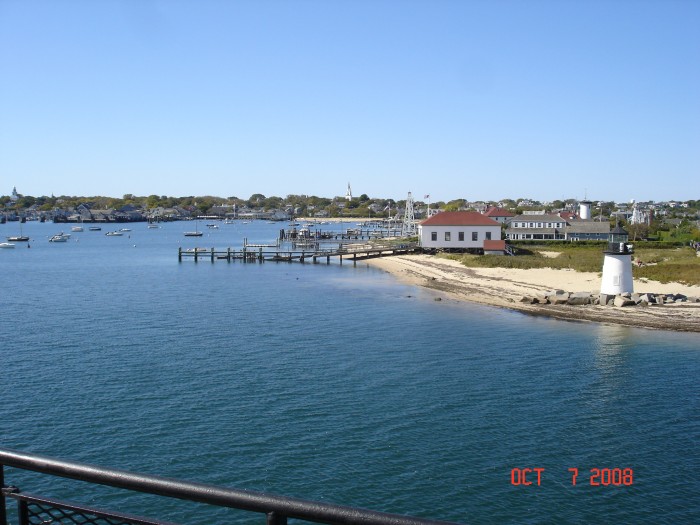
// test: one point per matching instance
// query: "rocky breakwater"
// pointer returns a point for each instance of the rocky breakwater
(560, 297)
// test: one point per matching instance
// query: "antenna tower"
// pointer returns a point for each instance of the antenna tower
(408, 229)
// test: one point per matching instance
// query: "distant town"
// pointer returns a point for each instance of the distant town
(521, 219)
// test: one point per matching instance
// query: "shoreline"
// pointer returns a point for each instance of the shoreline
(504, 287)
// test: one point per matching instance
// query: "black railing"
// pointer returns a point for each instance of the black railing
(619, 248)
(35, 509)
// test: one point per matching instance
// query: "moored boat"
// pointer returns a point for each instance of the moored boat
(60, 237)
(196, 232)
(6, 245)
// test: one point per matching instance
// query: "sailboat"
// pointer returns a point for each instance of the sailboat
(196, 232)
(20, 237)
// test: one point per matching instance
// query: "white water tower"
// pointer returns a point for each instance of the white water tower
(617, 264)
(584, 210)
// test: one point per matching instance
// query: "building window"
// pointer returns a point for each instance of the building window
(532, 225)
(488, 236)
(539, 224)
(448, 237)
(475, 236)
(461, 236)
(433, 236)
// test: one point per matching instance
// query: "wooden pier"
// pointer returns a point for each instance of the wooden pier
(350, 252)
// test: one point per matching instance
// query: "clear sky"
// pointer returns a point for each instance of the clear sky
(456, 99)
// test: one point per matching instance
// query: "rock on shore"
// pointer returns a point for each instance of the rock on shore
(621, 300)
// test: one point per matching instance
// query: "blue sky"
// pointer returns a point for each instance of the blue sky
(456, 99)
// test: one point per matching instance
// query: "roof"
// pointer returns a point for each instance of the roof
(490, 246)
(537, 218)
(498, 212)
(588, 227)
(459, 218)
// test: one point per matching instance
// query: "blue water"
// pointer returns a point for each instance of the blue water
(333, 383)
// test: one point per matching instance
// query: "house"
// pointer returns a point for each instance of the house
(458, 230)
(580, 230)
(499, 214)
(542, 226)
(548, 227)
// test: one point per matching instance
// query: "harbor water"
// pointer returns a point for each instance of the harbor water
(332, 382)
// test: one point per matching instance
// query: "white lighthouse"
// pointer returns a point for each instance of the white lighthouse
(617, 264)
(584, 208)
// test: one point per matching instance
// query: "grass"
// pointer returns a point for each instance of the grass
(663, 264)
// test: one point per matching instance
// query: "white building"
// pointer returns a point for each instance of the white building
(458, 230)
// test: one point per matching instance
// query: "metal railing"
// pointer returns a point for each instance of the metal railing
(36, 510)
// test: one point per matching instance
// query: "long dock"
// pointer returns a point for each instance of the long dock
(351, 252)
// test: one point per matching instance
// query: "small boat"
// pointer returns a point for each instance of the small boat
(6, 245)
(196, 232)
(76, 229)
(153, 226)
(60, 237)
(19, 238)
(95, 228)
(125, 230)
(114, 234)
(214, 226)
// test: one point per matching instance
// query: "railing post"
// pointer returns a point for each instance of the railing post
(274, 518)
(23, 513)
(3, 514)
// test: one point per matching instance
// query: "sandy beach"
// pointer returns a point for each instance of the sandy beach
(504, 288)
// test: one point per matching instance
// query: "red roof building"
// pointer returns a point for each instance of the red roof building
(458, 230)
(459, 218)
(499, 214)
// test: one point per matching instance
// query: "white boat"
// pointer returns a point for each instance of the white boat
(153, 226)
(76, 229)
(6, 245)
(60, 237)
(114, 234)
(125, 230)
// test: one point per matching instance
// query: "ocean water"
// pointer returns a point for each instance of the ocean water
(332, 383)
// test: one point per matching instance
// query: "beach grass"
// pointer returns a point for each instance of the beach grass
(664, 264)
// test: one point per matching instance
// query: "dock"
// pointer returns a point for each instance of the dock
(260, 254)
